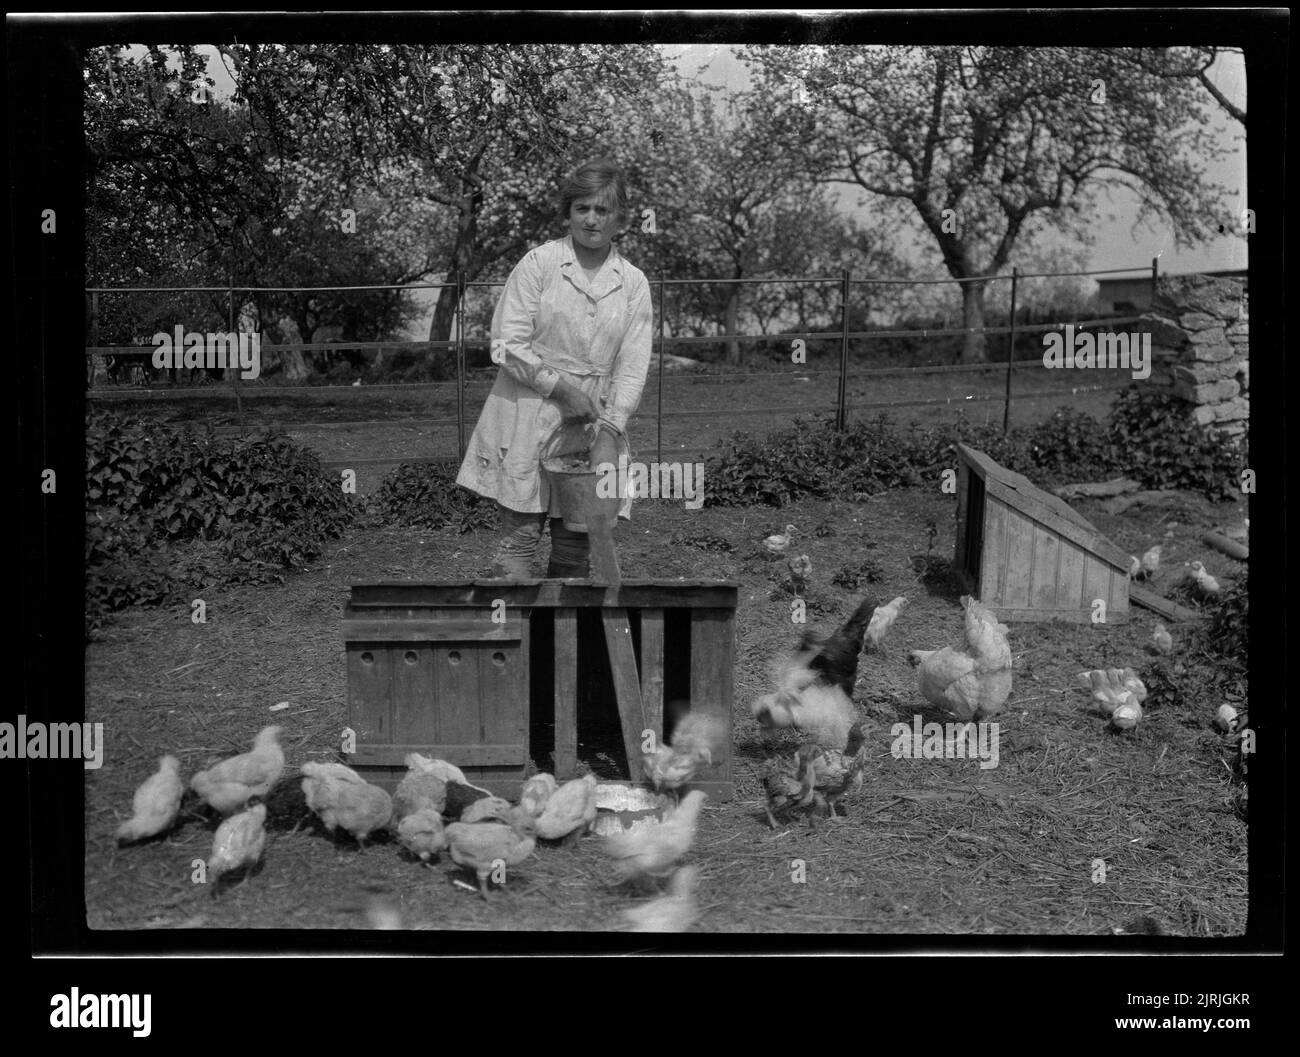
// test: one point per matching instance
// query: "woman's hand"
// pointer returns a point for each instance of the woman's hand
(574, 402)
(603, 449)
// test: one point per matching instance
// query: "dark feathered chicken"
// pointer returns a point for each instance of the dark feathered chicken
(836, 657)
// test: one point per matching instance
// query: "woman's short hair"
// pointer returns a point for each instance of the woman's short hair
(598, 176)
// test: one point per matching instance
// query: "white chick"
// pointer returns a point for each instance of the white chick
(419, 788)
(1150, 563)
(883, 619)
(494, 808)
(800, 569)
(239, 842)
(156, 802)
(571, 809)
(1226, 719)
(1134, 567)
(1128, 679)
(320, 776)
(778, 544)
(695, 739)
(536, 792)
(485, 846)
(448, 772)
(422, 833)
(673, 912)
(1108, 690)
(1161, 639)
(1206, 585)
(652, 850)
(228, 785)
(340, 801)
(1126, 716)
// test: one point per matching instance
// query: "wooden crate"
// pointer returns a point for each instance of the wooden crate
(1027, 553)
(430, 671)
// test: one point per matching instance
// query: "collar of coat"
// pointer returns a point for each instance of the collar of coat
(604, 283)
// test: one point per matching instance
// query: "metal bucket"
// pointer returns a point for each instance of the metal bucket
(574, 484)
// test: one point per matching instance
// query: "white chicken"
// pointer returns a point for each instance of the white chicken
(342, 798)
(570, 810)
(695, 739)
(487, 846)
(779, 544)
(536, 792)
(973, 680)
(1134, 567)
(1150, 563)
(422, 833)
(1161, 639)
(1107, 689)
(239, 842)
(822, 711)
(495, 808)
(674, 911)
(883, 619)
(1206, 585)
(1126, 716)
(228, 785)
(418, 789)
(652, 850)
(156, 802)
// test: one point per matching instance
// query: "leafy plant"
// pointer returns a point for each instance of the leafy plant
(427, 495)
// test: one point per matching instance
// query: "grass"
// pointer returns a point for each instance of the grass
(928, 847)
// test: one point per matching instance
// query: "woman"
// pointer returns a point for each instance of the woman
(571, 334)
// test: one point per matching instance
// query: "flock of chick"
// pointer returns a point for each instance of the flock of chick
(435, 808)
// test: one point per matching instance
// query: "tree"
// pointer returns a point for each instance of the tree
(987, 146)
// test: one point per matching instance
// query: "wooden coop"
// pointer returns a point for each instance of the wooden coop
(490, 674)
(1027, 554)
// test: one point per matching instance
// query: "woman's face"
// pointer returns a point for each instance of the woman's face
(593, 221)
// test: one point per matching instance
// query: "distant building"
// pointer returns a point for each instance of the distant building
(1123, 297)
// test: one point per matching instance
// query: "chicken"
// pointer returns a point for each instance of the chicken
(461, 796)
(422, 833)
(1150, 563)
(652, 850)
(674, 911)
(695, 739)
(239, 842)
(973, 680)
(536, 792)
(571, 809)
(1228, 720)
(824, 712)
(1134, 567)
(439, 768)
(228, 785)
(882, 620)
(800, 570)
(1129, 680)
(345, 800)
(1126, 716)
(838, 772)
(419, 789)
(835, 659)
(1161, 639)
(488, 846)
(1205, 585)
(778, 544)
(156, 802)
(789, 783)
(1107, 688)
(487, 808)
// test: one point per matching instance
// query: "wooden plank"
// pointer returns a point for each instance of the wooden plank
(652, 670)
(993, 566)
(1069, 594)
(600, 540)
(713, 654)
(370, 693)
(463, 756)
(1048, 515)
(1096, 581)
(503, 697)
(1070, 616)
(414, 711)
(1046, 561)
(1019, 560)
(627, 690)
(1152, 601)
(442, 629)
(630, 594)
(456, 695)
(566, 693)
(964, 476)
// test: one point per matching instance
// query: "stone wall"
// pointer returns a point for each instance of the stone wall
(1200, 346)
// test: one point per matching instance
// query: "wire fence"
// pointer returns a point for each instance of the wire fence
(844, 372)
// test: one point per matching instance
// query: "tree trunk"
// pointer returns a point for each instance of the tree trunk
(972, 318)
(461, 252)
(735, 357)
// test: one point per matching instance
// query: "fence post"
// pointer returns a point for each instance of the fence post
(460, 364)
(841, 410)
(238, 380)
(1011, 351)
(659, 411)
(94, 337)
(1155, 278)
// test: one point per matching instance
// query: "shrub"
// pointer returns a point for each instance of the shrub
(426, 495)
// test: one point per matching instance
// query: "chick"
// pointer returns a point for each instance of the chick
(778, 544)
(1150, 563)
(1128, 679)
(487, 808)
(1134, 567)
(883, 619)
(536, 792)
(488, 846)
(695, 738)
(571, 809)
(349, 802)
(823, 711)
(228, 785)
(789, 782)
(1107, 689)
(973, 680)
(422, 833)
(673, 912)
(156, 802)
(1126, 716)
(837, 773)
(1161, 639)
(1206, 585)
(653, 850)
(239, 842)
(419, 789)
(800, 569)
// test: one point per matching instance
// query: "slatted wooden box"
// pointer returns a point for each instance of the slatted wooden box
(1027, 554)
(430, 670)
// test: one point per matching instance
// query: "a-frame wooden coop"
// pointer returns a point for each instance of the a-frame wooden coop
(471, 671)
(1027, 553)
